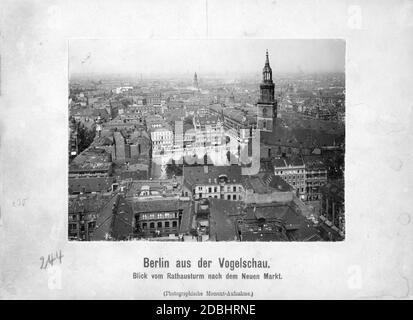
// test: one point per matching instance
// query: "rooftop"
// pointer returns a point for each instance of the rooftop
(114, 220)
(301, 134)
(236, 114)
(157, 206)
(87, 203)
(164, 186)
(186, 220)
(314, 162)
(89, 184)
(288, 162)
(222, 224)
(106, 140)
(284, 212)
(276, 217)
(195, 175)
(122, 222)
(207, 119)
(265, 183)
(91, 159)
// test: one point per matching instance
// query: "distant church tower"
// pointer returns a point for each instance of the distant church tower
(266, 105)
(196, 81)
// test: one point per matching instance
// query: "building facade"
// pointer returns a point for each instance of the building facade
(267, 105)
(315, 177)
(209, 130)
(162, 138)
(293, 172)
(157, 218)
(219, 182)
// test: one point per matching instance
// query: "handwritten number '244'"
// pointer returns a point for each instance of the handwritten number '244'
(51, 258)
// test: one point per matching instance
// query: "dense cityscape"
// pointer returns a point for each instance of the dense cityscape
(204, 158)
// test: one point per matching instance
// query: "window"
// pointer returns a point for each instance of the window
(144, 225)
(174, 224)
(209, 189)
(152, 225)
(234, 189)
(166, 224)
(234, 197)
(229, 197)
(159, 224)
(215, 189)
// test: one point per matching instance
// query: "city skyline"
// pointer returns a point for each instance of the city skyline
(166, 161)
(206, 57)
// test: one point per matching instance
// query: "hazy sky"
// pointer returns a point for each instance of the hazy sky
(204, 56)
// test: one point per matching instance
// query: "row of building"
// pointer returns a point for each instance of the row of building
(187, 209)
(121, 200)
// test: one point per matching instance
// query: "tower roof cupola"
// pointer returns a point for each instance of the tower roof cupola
(267, 71)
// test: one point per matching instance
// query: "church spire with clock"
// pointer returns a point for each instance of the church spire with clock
(267, 105)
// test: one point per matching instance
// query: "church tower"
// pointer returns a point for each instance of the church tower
(195, 84)
(267, 105)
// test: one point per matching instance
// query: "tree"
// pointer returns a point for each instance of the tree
(85, 136)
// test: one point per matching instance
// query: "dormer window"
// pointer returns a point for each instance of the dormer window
(223, 178)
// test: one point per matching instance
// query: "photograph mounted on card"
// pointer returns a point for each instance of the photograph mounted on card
(177, 145)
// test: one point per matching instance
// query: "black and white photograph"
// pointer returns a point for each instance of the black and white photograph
(233, 151)
(209, 140)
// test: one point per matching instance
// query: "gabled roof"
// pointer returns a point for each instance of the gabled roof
(115, 219)
(122, 221)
